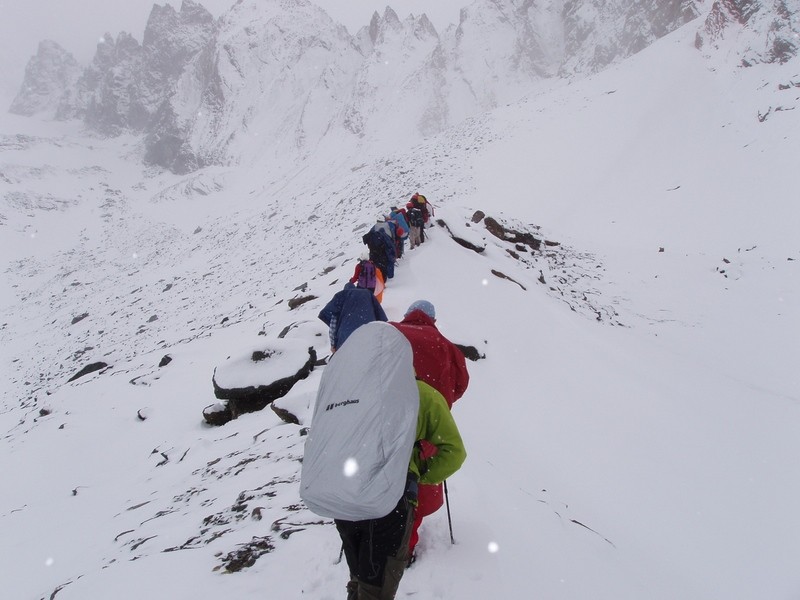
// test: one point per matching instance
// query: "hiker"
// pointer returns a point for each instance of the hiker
(347, 311)
(381, 248)
(421, 202)
(398, 217)
(439, 363)
(415, 221)
(361, 464)
(367, 275)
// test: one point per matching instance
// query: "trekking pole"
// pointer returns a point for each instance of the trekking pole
(449, 520)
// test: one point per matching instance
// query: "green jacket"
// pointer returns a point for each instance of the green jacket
(436, 425)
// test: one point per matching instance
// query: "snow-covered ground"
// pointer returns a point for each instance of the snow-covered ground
(631, 432)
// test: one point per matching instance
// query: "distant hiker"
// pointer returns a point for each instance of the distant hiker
(421, 202)
(347, 311)
(439, 363)
(398, 216)
(361, 465)
(381, 248)
(367, 275)
(415, 224)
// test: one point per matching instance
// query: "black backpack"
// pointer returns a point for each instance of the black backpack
(415, 217)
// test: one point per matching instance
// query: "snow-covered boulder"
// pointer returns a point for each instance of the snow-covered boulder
(251, 382)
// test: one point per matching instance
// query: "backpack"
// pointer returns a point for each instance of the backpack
(366, 276)
(415, 217)
(362, 434)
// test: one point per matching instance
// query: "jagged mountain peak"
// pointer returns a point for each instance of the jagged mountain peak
(198, 87)
(286, 11)
(48, 75)
(165, 21)
(424, 28)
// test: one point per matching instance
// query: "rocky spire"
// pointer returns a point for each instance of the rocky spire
(48, 76)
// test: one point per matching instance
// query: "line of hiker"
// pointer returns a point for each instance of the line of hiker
(386, 239)
(351, 307)
(382, 439)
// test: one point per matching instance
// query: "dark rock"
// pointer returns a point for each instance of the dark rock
(468, 245)
(165, 360)
(217, 414)
(44, 412)
(478, 216)
(91, 368)
(260, 355)
(511, 235)
(297, 301)
(247, 554)
(284, 414)
(504, 276)
(79, 318)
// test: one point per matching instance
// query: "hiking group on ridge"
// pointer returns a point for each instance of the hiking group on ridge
(382, 439)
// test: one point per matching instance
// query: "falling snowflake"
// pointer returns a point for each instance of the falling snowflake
(350, 467)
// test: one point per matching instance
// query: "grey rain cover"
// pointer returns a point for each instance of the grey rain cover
(363, 428)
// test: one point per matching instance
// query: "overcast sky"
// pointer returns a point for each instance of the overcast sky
(78, 24)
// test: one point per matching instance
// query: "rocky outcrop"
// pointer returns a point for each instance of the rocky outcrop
(127, 84)
(250, 383)
(106, 91)
(598, 33)
(48, 77)
(90, 368)
(507, 234)
(760, 31)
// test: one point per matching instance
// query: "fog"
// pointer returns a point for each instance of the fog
(77, 26)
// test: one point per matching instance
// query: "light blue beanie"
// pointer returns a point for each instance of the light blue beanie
(424, 306)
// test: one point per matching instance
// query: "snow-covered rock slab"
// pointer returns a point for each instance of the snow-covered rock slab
(253, 381)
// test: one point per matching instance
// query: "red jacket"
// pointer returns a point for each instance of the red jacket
(437, 361)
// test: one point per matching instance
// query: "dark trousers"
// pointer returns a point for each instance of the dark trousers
(377, 551)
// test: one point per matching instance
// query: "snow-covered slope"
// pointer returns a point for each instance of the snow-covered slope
(629, 430)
